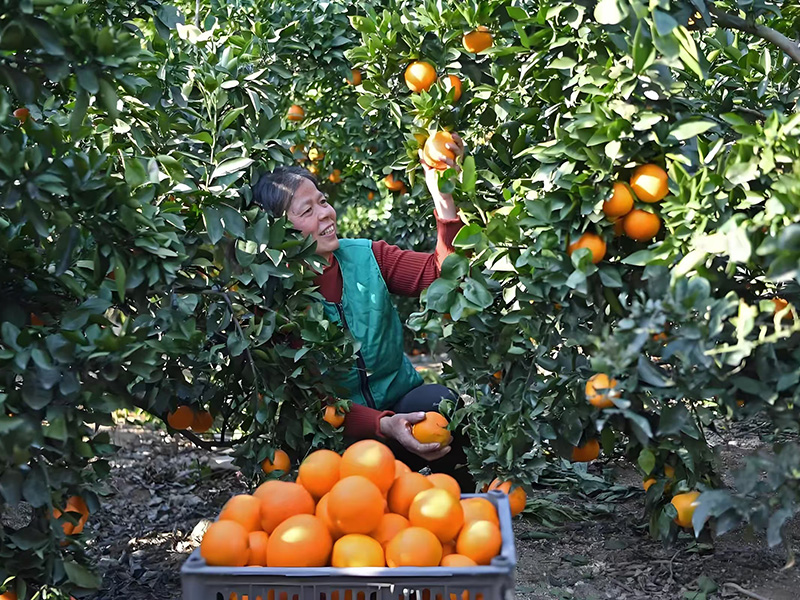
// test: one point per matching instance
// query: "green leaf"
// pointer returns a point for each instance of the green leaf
(469, 176)
(468, 236)
(231, 166)
(476, 293)
(454, 266)
(80, 576)
(213, 221)
(646, 461)
(229, 118)
(610, 12)
(690, 128)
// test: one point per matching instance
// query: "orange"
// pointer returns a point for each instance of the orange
(588, 452)
(36, 321)
(685, 505)
(22, 114)
(181, 418)
(479, 509)
(393, 184)
(280, 462)
(322, 512)
(480, 540)
(669, 471)
(780, 304)
(296, 113)
(454, 83)
(432, 430)
(404, 490)
(245, 510)
(300, 541)
(478, 40)
(258, 549)
(446, 482)
(9, 595)
(355, 505)
(649, 183)
(356, 550)
(372, 460)
(335, 176)
(320, 472)
(316, 154)
(593, 242)
(620, 203)
(400, 467)
(647, 483)
(641, 225)
(458, 560)
(281, 500)
(391, 524)
(75, 504)
(420, 76)
(414, 547)
(370, 196)
(600, 389)
(516, 497)
(435, 150)
(225, 544)
(332, 416)
(202, 421)
(438, 511)
(355, 77)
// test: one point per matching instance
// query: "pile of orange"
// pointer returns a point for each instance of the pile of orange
(362, 508)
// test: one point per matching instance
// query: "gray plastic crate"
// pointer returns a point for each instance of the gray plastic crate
(491, 582)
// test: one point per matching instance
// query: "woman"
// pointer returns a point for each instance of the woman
(388, 395)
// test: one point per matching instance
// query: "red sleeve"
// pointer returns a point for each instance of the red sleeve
(363, 422)
(406, 272)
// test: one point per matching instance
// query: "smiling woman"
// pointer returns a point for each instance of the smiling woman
(388, 395)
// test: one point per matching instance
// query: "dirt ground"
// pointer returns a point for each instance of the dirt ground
(162, 489)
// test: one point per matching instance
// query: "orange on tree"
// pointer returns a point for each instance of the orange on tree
(438, 511)
(335, 176)
(650, 183)
(300, 541)
(516, 497)
(372, 460)
(22, 114)
(322, 512)
(355, 77)
(9, 595)
(414, 547)
(457, 560)
(400, 468)
(479, 540)
(181, 418)
(477, 40)
(258, 549)
(355, 505)
(245, 510)
(432, 429)
(394, 185)
(280, 462)
(435, 151)
(592, 241)
(669, 471)
(281, 500)
(779, 303)
(75, 504)
(587, 452)
(620, 203)
(295, 113)
(446, 482)
(391, 524)
(225, 544)
(332, 416)
(357, 550)
(316, 154)
(36, 320)
(647, 483)
(641, 225)
(320, 472)
(420, 76)
(600, 390)
(404, 490)
(452, 82)
(371, 196)
(479, 509)
(202, 421)
(685, 505)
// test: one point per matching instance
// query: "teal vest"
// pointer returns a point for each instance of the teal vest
(382, 374)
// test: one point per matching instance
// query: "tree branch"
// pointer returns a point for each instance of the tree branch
(729, 21)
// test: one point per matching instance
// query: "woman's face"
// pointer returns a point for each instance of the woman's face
(311, 214)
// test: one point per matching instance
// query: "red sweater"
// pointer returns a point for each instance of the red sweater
(406, 273)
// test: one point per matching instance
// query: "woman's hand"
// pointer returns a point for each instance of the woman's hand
(445, 207)
(398, 427)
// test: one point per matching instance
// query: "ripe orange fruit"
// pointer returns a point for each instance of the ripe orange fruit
(600, 389)
(391, 524)
(320, 472)
(404, 490)
(370, 196)
(435, 150)
(593, 242)
(281, 500)
(647, 483)
(620, 203)
(400, 468)
(420, 76)
(356, 550)
(258, 549)
(480, 509)
(641, 225)
(322, 512)
(316, 154)
(300, 541)
(454, 83)
(780, 304)
(296, 113)
(370, 459)
(650, 183)
(245, 510)
(36, 321)
(438, 511)
(414, 547)
(479, 540)
(332, 416)
(446, 482)
(225, 544)
(202, 421)
(355, 505)
(457, 560)
(432, 430)
(9, 595)
(478, 40)
(75, 504)
(22, 114)
(393, 184)
(586, 453)
(280, 462)
(516, 497)
(335, 176)
(355, 77)
(669, 471)
(181, 418)
(685, 505)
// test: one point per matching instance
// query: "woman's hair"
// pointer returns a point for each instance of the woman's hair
(273, 191)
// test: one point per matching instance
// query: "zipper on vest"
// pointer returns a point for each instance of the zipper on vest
(361, 364)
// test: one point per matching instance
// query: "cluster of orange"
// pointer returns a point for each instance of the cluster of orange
(362, 508)
(185, 417)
